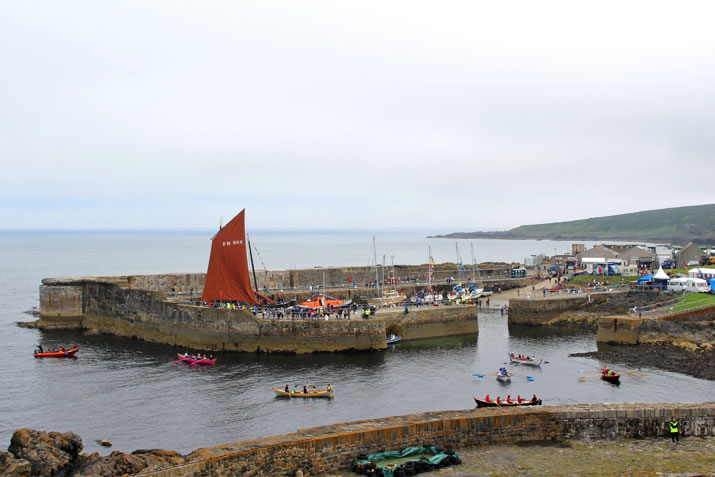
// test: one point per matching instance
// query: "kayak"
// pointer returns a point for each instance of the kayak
(58, 354)
(317, 394)
(483, 403)
(196, 362)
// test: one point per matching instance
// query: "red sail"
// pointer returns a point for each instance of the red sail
(227, 277)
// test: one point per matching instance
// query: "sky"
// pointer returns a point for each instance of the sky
(444, 116)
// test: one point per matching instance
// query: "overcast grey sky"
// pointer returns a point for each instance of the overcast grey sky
(449, 116)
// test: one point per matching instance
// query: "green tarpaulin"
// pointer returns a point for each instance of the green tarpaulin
(389, 461)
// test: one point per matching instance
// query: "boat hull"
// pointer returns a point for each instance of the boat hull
(394, 340)
(58, 354)
(614, 378)
(483, 403)
(504, 379)
(196, 362)
(318, 394)
(526, 362)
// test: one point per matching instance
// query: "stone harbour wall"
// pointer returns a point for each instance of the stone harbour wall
(146, 315)
(524, 311)
(621, 329)
(432, 322)
(321, 450)
(120, 308)
(695, 327)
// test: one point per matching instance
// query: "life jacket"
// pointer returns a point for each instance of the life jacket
(673, 426)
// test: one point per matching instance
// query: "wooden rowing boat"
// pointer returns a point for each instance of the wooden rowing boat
(483, 403)
(320, 393)
(611, 378)
(527, 362)
(68, 353)
(196, 362)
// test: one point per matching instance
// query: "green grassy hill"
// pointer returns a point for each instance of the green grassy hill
(676, 225)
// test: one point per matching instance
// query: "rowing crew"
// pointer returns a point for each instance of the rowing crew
(509, 401)
(197, 357)
(305, 390)
(61, 349)
(521, 357)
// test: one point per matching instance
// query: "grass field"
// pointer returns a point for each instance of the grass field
(696, 300)
(586, 280)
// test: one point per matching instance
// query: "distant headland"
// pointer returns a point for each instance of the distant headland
(675, 225)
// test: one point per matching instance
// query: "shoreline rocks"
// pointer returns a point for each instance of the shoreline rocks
(47, 454)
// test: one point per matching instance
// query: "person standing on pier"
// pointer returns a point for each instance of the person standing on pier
(674, 434)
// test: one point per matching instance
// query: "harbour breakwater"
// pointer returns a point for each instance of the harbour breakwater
(608, 314)
(333, 448)
(139, 307)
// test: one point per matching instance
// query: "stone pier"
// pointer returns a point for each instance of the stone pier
(326, 449)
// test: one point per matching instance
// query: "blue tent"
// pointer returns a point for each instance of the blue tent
(644, 278)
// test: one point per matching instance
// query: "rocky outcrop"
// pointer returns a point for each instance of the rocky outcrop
(118, 463)
(55, 454)
(47, 453)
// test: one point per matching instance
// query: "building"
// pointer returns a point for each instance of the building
(600, 260)
(577, 248)
(688, 254)
(642, 257)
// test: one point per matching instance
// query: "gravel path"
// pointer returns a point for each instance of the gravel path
(637, 457)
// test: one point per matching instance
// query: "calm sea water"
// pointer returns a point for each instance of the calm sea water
(132, 394)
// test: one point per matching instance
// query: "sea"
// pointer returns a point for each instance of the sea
(132, 393)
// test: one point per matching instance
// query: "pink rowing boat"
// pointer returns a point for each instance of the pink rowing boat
(195, 362)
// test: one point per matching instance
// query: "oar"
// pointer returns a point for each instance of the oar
(482, 375)
(528, 378)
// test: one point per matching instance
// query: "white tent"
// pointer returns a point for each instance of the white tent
(706, 273)
(661, 275)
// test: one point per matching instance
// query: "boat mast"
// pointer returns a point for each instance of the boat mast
(430, 268)
(383, 275)
(471, 247)
(459, 262)
(377, 273)
(255, 283)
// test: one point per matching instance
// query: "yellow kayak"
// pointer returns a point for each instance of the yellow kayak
(318, 393)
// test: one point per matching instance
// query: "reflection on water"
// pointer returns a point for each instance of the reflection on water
(133, 394)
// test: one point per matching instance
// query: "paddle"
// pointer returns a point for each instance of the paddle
(528, 378)
(482, 375)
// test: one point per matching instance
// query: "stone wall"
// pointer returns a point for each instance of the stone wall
(137, 306)
(145, 314)
(621, 329)
(326, 449)
(556, 310)
(694, 327)
(432, 322)
(524, 311)
(62, 305)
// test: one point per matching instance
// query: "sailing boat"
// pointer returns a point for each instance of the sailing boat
(475, 292)
(428, 295)
(227, 278)
(385, 296)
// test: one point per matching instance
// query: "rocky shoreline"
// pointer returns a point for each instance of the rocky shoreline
(50, 454)
(699, 364)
